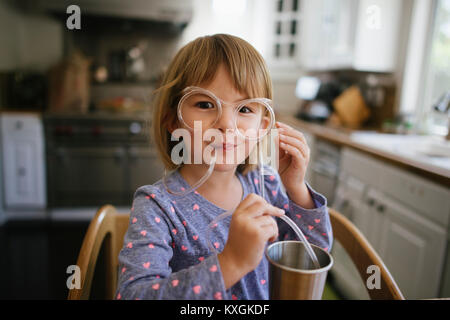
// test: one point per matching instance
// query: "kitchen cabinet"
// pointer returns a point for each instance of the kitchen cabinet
(377, 35)
(412, 247)
(348, 201)
(284, 27)
(24, 263)
(23, 161)
(410, 239)
(333, 22)
(320, 35)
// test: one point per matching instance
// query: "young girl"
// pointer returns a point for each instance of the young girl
(166, 252)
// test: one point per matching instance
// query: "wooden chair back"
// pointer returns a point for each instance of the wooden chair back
(107, 228)
(363, 255)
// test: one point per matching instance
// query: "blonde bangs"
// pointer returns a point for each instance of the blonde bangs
(195, 64)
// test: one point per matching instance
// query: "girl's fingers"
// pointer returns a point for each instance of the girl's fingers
(294, 152)
(293, 133)
(260, 208)
(296, 143)
(249, 200)
(271, 231)
(304, 151)
(265, 220)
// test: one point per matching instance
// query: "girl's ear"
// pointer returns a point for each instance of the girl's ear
(172, 125)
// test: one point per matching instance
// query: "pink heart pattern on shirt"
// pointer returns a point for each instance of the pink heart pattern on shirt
(197, 289)
(195, 207)
(175, 282)
(213, 268)
(146, 265)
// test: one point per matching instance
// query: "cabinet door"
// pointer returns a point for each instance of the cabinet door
(23, 162)
(332, 22)
(413, 249)
(366, 220)
(88, 176)
(348, 201)
(378, 31)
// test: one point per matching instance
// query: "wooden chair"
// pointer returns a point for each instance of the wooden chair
(363, 255)
(109, 227)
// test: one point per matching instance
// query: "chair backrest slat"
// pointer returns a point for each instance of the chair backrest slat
(363, 255)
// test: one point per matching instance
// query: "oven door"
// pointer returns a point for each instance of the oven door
(87, 176)
(144, 168)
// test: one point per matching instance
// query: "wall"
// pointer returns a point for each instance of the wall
(28, 41)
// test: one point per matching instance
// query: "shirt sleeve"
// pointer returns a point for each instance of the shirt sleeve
(314, 223)
(144, 261)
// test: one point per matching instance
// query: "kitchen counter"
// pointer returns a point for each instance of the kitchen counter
(400, 150)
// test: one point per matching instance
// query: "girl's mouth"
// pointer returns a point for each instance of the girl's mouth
(225, 146)
(228, 146)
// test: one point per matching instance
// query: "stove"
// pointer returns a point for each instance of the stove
(99, 158)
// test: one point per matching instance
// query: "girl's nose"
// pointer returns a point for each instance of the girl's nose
(226, 120)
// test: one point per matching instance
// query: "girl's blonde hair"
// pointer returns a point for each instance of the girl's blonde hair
(196, 63)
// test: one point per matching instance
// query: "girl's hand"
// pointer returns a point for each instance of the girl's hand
(293, 162)
(251, 227)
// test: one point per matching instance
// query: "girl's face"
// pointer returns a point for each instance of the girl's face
(231, 149)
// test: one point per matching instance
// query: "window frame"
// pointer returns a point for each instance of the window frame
(413, 101)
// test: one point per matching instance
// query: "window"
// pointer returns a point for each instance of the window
(285, 37)
(437, 66)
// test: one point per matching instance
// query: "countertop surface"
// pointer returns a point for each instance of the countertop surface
(423, 154)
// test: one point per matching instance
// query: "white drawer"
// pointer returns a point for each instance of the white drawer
(429, 198)
(361, 166)
(17, 125)
(424, 196)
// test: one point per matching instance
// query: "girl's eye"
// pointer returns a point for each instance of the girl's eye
(205, 105)
(245, 109)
